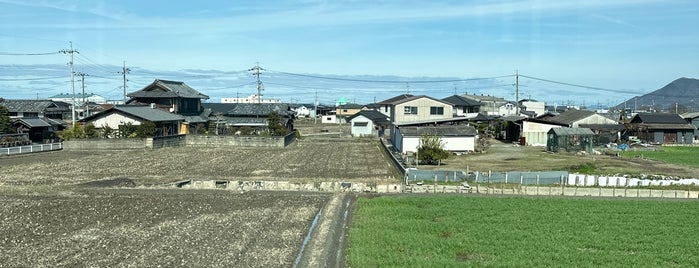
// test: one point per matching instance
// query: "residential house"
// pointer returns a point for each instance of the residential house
(662, 128)
(418, 109)
(463, 106)
(537, 107)
(386, 106)
(175, 97)
(253, 116)
(345, 110)
(455, 138)
(166, 124)
(303, 110)
(40, 119)
(368, 123)
(693, 119)
(491, 105)
(84, 102)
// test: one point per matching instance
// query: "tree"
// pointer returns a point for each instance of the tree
(5, 126)
(274, 124)
(145, 130)
(90, 131)
(430, 150)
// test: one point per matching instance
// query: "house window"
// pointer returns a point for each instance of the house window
(344, 110)
(361, 124)
(436, 110)
(410, 110)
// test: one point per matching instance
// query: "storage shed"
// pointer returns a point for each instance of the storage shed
(570, 140)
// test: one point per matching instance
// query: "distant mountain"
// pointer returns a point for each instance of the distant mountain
(681, 95)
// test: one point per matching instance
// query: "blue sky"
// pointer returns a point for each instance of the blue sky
(636, 46)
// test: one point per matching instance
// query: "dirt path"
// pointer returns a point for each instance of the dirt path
(326, 246)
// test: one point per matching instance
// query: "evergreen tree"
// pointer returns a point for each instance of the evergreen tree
(5, 126)
(430, 150)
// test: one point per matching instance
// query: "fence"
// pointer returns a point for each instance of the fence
(397, 163)
(31, 149)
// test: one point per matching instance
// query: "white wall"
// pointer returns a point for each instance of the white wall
(595, 119)
(535, 106)
(535, 134)
(452, 144)
(114, 120)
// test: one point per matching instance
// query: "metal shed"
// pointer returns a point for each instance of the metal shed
(570, 140)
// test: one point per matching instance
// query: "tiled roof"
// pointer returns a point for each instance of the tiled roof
(396, 98)
(372, 115)
(457, 130)
(350, 106)
(33, 122)
(142, 112)
(30, 106)
(247, 109)
(658, 119)
(167, 89)
(570, 116)
(461, 101)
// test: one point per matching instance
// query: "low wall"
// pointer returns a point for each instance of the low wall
(240, 141)
(169, 141)
(104, 144)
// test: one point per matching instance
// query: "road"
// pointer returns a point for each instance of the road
(328, 237)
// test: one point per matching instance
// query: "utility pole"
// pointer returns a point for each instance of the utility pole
(256, 72)
(517, 93)
(123, 72)
(315, 109)
(71, 51)
(86, 108)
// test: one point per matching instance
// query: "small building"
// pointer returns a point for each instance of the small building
(573, 118)
(254, 98)
(166, 124)
(368, 123)
(463, 106)
(662, 128)
(455, 138)
(249, 115)
(39, 130)
(570, 140)
(693, 119)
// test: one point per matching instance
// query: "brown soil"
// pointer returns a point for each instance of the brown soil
(168, 228)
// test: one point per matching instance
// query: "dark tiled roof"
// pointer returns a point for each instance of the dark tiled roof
(142, 112)
(458, 130)
(483, 98)
(31, 106)
(33, 122)
(411, 98)
(570, 116)
(372, 115)
(461, 101)
(658, 119)
(396, 98)
(350, 106)
(167, 89)
(248, 109)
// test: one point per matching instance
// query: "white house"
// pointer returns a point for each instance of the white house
(538, 107)
(254, 98)
(165, 123)
(574, 118)
(80, 98)
(368, 123)
(455, 138)
(301, 111)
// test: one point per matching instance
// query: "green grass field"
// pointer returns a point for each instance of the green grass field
(475, 231)
(675, 155)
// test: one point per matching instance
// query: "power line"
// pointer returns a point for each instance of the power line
(28, 54)
(392, 81)
(576, 85)
(32, 79)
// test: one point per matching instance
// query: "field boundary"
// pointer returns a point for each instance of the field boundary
(488, 189)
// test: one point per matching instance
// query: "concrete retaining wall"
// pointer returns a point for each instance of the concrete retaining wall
(436, 189)
(239, 141)
(104, 144)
